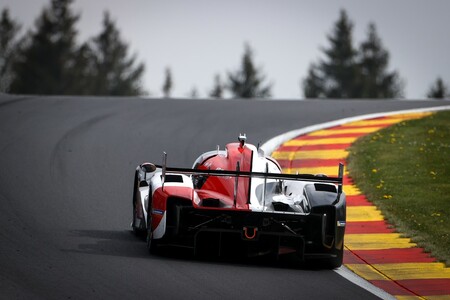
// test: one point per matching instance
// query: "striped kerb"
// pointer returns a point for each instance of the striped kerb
(373, 249)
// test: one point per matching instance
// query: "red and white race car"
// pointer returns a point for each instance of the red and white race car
(237, 202)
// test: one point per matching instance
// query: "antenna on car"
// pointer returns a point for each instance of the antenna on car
(341, 176)
(236, 181)
(264, 186)
(260, 150)
(164, 168)
(340, 184)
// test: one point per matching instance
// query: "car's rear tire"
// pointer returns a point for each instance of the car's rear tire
(152, 244)
(138, 230)
(335, 262)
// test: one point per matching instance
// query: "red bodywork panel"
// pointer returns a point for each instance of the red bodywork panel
(214, 187)
(160, 200)
(226, 185)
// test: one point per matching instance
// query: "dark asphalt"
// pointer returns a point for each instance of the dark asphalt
(66, 170)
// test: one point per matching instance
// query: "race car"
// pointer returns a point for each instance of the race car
(238, 202)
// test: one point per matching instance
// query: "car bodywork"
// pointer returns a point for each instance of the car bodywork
(237, 202)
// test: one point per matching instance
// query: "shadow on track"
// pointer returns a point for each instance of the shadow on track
(289, 261)
(109, 242)
(126, 244)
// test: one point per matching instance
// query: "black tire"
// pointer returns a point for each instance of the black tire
(335, 262)
(152, 244)
(137, 231)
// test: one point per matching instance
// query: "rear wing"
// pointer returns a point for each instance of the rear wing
(265, 175)
(149, 167)
(238, 173)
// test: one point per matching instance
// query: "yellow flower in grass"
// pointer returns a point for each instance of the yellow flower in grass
(387, 196)
(381, 184)
(374, 170)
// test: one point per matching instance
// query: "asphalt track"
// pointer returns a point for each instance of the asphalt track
(66, 168)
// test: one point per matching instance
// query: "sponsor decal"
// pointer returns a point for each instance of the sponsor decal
(158, 211)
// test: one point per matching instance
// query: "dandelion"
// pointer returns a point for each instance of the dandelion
(374, 170)
(433, 173)
(387, 196)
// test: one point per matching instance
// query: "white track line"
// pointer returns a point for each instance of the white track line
(272, 144)
(275, 142)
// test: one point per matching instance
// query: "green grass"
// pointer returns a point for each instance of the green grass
(405, 171)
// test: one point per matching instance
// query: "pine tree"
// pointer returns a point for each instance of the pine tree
(438, 90)
(217, 90)
(8, 46)
(346, 73)
(313, 83)
(375, 80)
(339, 67)
(45, 63)
(168, 84)
(114, 73)
(248, 81)
(85, 71)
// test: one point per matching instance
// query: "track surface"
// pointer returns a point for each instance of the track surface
(66, 170)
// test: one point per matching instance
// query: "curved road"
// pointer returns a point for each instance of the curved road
(66, 168)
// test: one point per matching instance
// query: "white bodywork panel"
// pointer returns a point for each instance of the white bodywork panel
(143, 191)
(263, 195)
(155, 181)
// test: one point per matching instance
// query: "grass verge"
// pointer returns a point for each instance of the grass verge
(405, 171)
